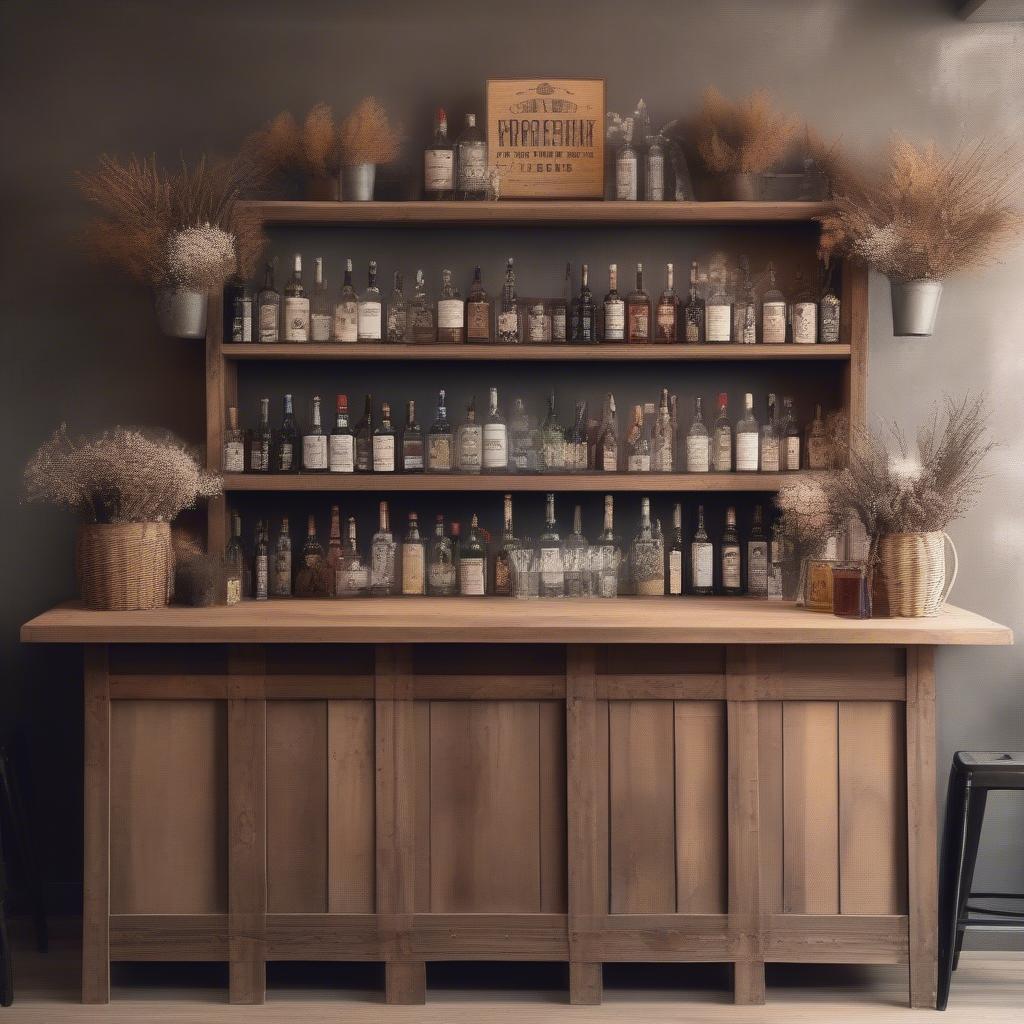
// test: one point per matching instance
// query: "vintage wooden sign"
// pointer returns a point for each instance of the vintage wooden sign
(545, 137)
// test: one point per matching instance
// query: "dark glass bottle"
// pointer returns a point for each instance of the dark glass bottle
(439, 162)
(288, 447)
(638, 311)
(732, 576)
(364, 439)
(584, 311)
(238, 301)
(385, 443)
(478, 311)
(412, 441)
(693, 312)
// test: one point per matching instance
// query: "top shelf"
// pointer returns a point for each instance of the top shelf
(532, 212)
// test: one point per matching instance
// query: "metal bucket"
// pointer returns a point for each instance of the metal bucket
(915, 304)
(181, 312)
(357, 182)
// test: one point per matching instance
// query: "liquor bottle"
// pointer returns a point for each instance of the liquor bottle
(560, 310)
(606, 456)
(495, 438)
(584, 311)
(364, 438)
(654, 164)
(638, 446)
(757, 556)
(732, 580)
(414, 560)
(626, 176)
(439, 162)
(718, 311)
(469, 443)
(614, 308)
(346, 310)
(694, 311)
(747, 438)
(421, 314)
(385, 443)
(661, 438)
(352, 577)
(451, 313)
(261, 564)
(412, 441)
(456, 540)
(607, 558)
(311, 579)
(398, 314)
(441, 580)
(289, 441)
(233, 454)
(698, 442)
(803, 313)
(439, 440)
(382, 557)
(508, 316)
(646, 557)
(237, 309)
(281, 577)
(471, 161)
(667, 318)
(638, 311)
(773, 312)
(828, 309)
(296, 306)
(576, 559)
(673, 405)
(504, 558)
(790, 437)
(552, 567)
(675, 552)
(341, 445)
(522, 441)
(552, 441)
(234, 563)
(370, 307)
(776, 554)
(472, 562)
(268, 309)
(538, 323)
(817, 442)
(770, 461)
(320, 312)
(261, 441)
(314, 443)
(576, 450)
(745, 310)
(721, 448)
(702, 559)
(478, 311)
(335, 551)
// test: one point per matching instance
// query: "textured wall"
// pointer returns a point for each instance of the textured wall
(82, 78)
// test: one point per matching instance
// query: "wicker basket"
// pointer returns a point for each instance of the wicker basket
(913, 566)
(125, 567)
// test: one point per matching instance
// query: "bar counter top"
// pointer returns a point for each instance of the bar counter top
(495, 620)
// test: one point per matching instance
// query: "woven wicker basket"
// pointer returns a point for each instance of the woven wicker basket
(913, 566)
(125, 567)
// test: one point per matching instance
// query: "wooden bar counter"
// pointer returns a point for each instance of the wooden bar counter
(580, 781)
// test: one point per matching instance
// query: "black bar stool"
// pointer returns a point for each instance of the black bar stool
(972, 777)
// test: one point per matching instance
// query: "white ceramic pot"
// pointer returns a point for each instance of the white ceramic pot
(181, 312)
(915, 304)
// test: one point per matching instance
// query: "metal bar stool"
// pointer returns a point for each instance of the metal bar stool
(972, 777)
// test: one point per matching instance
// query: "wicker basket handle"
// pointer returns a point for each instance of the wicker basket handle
(956, 568)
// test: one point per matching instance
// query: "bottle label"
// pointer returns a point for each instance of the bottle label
(579, 456)
(805, 323)
(471, 577)
(639, 323)
(234, 457)
(746, 323)
(439, 452)
(261, 577)
(655, 176)
(638, 463)
(413, 569)
(282, 582)
(558, 324)
(817, 453)
(314, 451)
(234, 590)
(731, 567)
(792, 453)
(552, 572)
(508, 323)
(351, 580)
(441, 577)
(398, 323)
(364, 454)
(746, 451)
(450, 314)
(537, 326)
(609, 459)
(285, 456)
(423, 325)
(718, 323)
(346, 322)
(697, 454)
(296, 319)
(495, 454)
(472, 166)
(320, 327)
(702, 555)
(757, 568)
(369, 321)
(382, 565)
(478, 321)
(614, 320)
(723, 451)
(470, 441)
(268, 323)
(773, 323)
(625, 175)
(412, 455)
(829, 316)
(439, 170)
(692, 327)
(503, 574)
(666, 321)
(341, 453)
(675, 572)
(770, 454)
(241, 324)
(383, 453)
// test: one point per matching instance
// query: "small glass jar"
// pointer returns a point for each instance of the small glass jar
(816, 585)
(851, 591)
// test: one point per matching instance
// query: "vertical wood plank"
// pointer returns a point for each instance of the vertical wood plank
(872, 787)
(350, 807)
(247, 833)
(769, 743)
(421, 725)
(855, 329)
(701, 799)
(221, 391)
(922, 882)
(96, 868)
(551, 746)
(811, 807)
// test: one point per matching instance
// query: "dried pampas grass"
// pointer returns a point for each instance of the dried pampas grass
(367, 136)
(745, 137)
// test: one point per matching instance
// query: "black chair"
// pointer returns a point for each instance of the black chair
(972, 777)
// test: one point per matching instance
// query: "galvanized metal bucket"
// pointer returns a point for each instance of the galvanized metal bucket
(357, 182)
(915, 304)
(181, 312)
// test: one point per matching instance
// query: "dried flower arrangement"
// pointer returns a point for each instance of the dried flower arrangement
(745, 137)
(367, 136)
(124, 475)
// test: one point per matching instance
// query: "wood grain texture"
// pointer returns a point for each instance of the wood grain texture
(552, 832)
(770, 799)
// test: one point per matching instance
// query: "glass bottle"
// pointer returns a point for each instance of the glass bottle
(718, 311)
(694, 312)
(335, 550)
(364, 438)
(702, 559)
(471, 161)
(234, 563)
(289, 441)
(773, 312)
(828, 308)
(441, 581)
(803, 313)
(698, 442)
(576, 559)
(233, 453)
(296, 305)
(281, 577)
(414, 560)
(770, 440)
(538, 323)
(261, 564)
(382, 556)
(478, 311)
(661, 438)
(505, 555)
(439, 162)
(817, 456)
(473, 562)
(673, 404)
(346, 310)
(495, 438)
(747, 438)
(439, 440)
(606, 555)
(321, 314)
(268, 309)
(667, 317)
(614, 308)
(732, 580)
(508, 317)
(638, 311)
(675, 552)
(469, 443)
(745, 310)
(776, 558)
(626, 176)
(552, 567)
(552, 441)
(790, 437)
(638, 447)
(384, 443)
(607, 448)
(314, 443)
(261, 441)
(238, 303)
(421, 314)
(560, 310)
(311, 578)
(757, 556)
(522, 453)
(412, 441)
(654, 163)
(456, 540)
(645, 557)
(576, 452)
(341, 450)
(352, 578)
(398, 313)
(584, 311)
(370, 307)
(451, 313)
(721, 448)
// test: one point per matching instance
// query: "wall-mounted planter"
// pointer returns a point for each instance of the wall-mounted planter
(915, 305)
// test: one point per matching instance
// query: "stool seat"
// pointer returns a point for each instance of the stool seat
(991, 769)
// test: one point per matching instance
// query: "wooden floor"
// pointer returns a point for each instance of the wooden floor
(988, 988)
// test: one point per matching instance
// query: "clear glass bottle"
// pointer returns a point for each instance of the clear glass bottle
(614, 308)
(261, 441)
(364, 438)
(471, 161)
(698, 442)
(382, 556)
(560, 310)
(469, 443)
(576, 559)
(790, 436)
(694, 311)
(829, 308)
(234, 563)
(803, 313)
(776, 559)
(478, 311)
(504, 558)
(321, 312)
(296, 305)
(666, 321)
(721, 448)
(654, 164)
(233, 453)
(412, 441)
(314, 443)
(288, 446)
(552, 441)
(748, 438)
(773, 312)
(757, 556)
(745, 309)
(509, 327)
(421, 314)
(585, 312)
(817, 449)
(268, 309)
(538, 323)
(576, 452)
(675, 552)
(626, 167)
(238, 305)
(335, 550)
(261, 564)
(341, 445)
(729, 551)
(551, 561)
(495, 438)
(638, 311)
(473, 562)
(281, 577)
(451, 313)
(414, 560)
(638, 445)
(702, 559)
(718, 310)
(439, 162)
(441, 578)
(398, 314)
(646, 557)
(352, 578)
(385, 443)
(346, 310)
(607, 447)
(522, 457)
(770, 460)
(370, 307)
(606, 555)
(439, 440)
(662, 438)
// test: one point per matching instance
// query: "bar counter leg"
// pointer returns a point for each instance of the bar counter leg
(405, 982)
(585, 983)
(96, 876)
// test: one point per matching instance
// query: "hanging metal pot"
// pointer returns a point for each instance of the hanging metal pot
(181, 312)
(357, 182)
(915, 304)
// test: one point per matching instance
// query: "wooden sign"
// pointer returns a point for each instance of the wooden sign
(545, 137)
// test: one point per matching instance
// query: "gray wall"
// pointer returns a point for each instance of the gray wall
(83, 78)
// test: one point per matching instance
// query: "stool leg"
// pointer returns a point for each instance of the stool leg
(975, 816)
(954, 838)
(6, 961)
(29, 862)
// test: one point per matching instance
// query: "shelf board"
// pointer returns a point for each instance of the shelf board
(615, 482)
(520, 212)
(610, 352)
